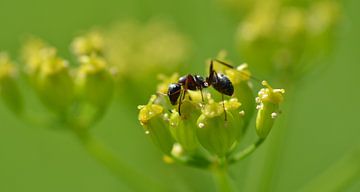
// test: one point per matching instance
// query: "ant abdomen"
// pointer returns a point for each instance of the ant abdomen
(174, 92)
(223, 84)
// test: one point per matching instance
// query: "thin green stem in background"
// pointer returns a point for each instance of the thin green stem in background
(246, 152)
(135, 180)
(222, 178)
(276, 144)
(337, 177)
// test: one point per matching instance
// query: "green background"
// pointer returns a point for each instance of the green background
(324, 121)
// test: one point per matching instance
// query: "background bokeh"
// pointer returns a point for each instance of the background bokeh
(323, 125)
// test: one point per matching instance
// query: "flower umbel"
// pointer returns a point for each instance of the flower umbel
(285, 37)
(201, 130)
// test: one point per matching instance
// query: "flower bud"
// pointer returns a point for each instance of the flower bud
(238, 114)
(243, 91)
(33, 52)
(215, 133)
(165, 82)
(94, 81)
(268, 105)
(151, 117)
(183, 127)
(90, 43)
(9, 90)
(54, 83)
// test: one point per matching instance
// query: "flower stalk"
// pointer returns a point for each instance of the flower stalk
(222, 179)
(126, 174)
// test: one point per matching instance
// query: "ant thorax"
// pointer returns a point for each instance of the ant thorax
(192, 82)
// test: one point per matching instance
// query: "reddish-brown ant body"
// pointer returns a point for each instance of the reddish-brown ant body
(219, 81)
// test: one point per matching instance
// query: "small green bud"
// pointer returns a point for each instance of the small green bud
(323, 17)
(94, 81)
(183, 127)
(9, 90)
(268, 106)
(90, 43)
(33, 53)
(54, 83)
(216, 134)
(293, 24)
(165, 81)
(153, 119)
(242, 91)
(239, 115)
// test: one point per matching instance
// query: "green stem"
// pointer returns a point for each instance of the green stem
(276, 144)
(246, 152)
(135, 180)
(337, 177)
(222, 178)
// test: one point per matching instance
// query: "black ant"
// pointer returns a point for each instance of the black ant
(219, 81)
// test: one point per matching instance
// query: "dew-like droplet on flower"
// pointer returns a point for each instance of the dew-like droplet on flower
(274, 115)
(242, 113)
(201, 125)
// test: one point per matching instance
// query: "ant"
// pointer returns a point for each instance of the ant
(219, 81)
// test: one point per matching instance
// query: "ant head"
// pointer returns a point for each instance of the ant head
(182, 79)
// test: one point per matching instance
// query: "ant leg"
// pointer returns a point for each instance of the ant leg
(223, 63)
(211, 73)
(202, 96)
(222, 97)
(216, 77)
(182, 96)
(232, 67)
(180, 101)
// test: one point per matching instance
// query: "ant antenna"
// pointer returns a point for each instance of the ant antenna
(232, 67)
(223, 103)
(180, 101)
(202, 96)
(159, 94)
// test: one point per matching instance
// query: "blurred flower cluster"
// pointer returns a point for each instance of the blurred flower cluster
(285, 37)
(206, 129)
(77, 95)
(78, 90)
(9, 90)
(136, 51)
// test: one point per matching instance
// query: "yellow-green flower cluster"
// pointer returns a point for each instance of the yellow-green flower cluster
(76, 94)
(135, 49)
(285, 36)
(9, 91)
(49, 75)
(90, 43)
(205, 127)
(122, 56)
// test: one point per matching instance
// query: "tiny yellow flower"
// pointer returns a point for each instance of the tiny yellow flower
(268, 108)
